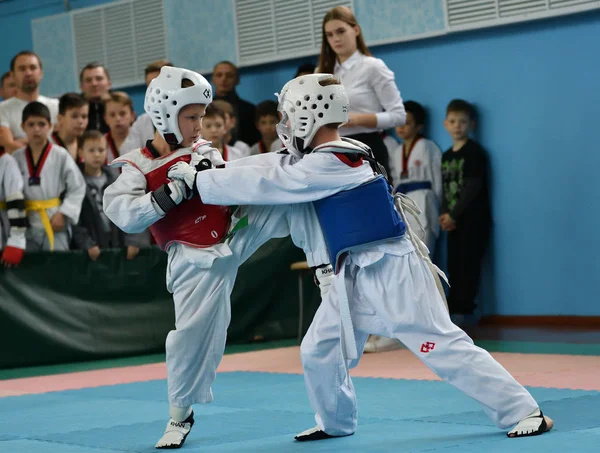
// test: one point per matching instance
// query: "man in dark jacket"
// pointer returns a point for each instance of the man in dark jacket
(225, 78)
(94, 80)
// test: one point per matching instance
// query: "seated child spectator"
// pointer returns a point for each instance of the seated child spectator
(53, 185)
(267, 118)
(72, 121)
(95, 231)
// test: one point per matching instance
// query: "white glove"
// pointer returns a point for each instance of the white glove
(324, 276)
(184, 172)
(196, 158)
(167, 196)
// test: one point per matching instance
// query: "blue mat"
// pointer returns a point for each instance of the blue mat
(261, 412)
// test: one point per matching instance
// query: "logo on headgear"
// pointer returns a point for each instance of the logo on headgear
(206, 93)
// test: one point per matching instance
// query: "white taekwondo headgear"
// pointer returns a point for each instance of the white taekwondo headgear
(165, 98)
(307, 105)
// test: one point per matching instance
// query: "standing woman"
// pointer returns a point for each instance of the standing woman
(375, 102)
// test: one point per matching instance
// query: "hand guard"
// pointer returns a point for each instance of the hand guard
(204, 164)
(323, 277)
(199, 162)
(14, 249)
(187, 174)
(167, 196)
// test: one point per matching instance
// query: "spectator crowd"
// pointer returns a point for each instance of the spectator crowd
(61, 149)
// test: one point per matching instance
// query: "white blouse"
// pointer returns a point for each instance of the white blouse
(371, 88)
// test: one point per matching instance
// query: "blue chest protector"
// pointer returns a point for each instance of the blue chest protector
(359, 216)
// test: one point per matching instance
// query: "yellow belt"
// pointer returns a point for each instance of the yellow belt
(40, 206)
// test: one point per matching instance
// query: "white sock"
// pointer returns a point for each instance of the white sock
(179, 414)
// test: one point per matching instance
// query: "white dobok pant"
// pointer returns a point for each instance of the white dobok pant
(396, 296)
(202, 280)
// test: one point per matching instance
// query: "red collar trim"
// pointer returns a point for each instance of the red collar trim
(344, 158)
(406, 155)
(35, 169)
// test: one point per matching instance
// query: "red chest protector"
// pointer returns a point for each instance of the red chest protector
(191, 223)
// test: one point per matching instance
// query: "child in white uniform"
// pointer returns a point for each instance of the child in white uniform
(13, 220)
(204, 243)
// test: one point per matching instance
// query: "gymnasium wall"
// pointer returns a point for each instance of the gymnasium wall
(536, 87)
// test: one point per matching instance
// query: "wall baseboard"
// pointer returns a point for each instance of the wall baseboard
(579, 322)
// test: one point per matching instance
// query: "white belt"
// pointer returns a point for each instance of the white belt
(349, 348)
(403, 202)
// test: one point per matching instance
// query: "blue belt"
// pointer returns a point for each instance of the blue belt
(412, 186)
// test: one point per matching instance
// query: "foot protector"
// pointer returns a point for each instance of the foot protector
(534, 424)
(175, 434)
(313, 434)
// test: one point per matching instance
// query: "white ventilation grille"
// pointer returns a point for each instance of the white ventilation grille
(150, 33)
(555, 4)
(88, 29)
(119, 43)
(293, 31)
(272, 30)
(469, 14)
(124, 36)
(255, 41)
(515, 7)
(461, 12)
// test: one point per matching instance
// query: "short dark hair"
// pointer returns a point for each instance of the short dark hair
(308, 68)
(417, 111)
(266, 108)
(461, 106)
(36, 108)
(93, 65)
(156, 66)
(212, 110)
(23, 53)
(70, 101)
(235, 68)
(5, 76)
(90, 134)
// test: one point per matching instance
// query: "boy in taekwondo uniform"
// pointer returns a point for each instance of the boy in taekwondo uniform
(13, 220)
(384, 284)
(53, 184)
(205, 243)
